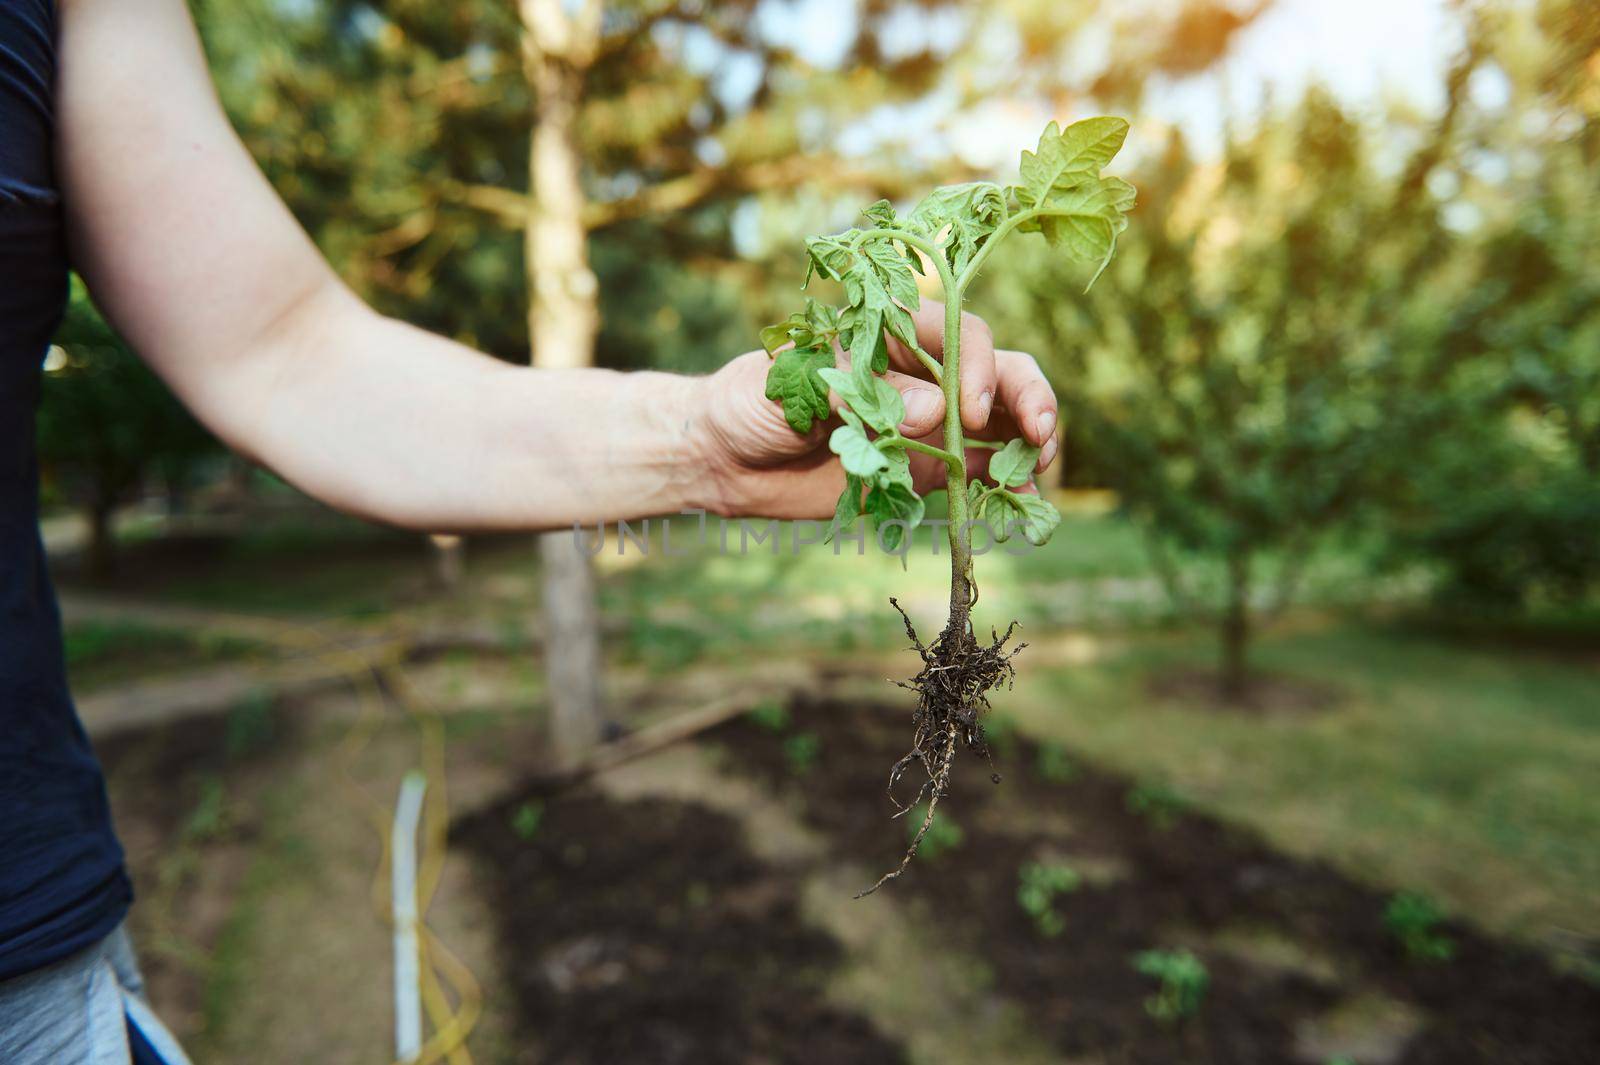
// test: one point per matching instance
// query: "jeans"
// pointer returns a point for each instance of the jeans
(88, 1009)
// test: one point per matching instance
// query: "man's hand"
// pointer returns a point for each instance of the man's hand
(758, 465)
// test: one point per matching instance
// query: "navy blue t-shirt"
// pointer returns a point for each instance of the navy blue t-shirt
(62, 885)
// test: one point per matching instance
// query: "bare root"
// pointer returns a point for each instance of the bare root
(957, 673)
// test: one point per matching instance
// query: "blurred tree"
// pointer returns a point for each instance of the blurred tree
(106, 425)
(1232, 368)
(1502, 410)
(600, 132)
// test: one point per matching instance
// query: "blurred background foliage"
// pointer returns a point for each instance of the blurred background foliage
(1329, 320)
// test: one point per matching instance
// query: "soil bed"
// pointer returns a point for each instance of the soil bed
(1155, 875)
(644, 932)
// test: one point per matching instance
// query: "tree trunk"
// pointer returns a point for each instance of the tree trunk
(563, 319)
(100, 554)
(1236, 626)
(448, 561)
(572, 647)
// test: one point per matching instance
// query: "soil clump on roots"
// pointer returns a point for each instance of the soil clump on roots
(952, 690)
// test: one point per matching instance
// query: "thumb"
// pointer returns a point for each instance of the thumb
(924, 403)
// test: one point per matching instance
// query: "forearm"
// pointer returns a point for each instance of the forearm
(383, 420)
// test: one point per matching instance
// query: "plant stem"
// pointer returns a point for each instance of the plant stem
(949, 378)
(960, 520)
(928, 449)
(989, 245)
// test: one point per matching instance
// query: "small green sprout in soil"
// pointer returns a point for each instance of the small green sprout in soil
(772, 716)
(1413, 920)
(525, 820)
(1054, 765)
(1038, 885)
(802, 751)
(1158, 804)
(953, 231)
(938, 836)
(1184, 980)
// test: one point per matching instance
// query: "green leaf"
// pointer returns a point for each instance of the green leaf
(774, 337)
(998, 514)
(1012, 466)
(1085, 221)
(1068, 157)
(813, 327)
(1035, 516)
(1040, 517)
(879, 405)
(975, 489)
(893, 502)
(793, 381)
(971, 212)
(822, 318)
(856, 452)
(894, 271)
(861, 331)
(848, 508)
(899, 469)
(881, 215)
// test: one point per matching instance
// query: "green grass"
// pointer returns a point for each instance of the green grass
(709, 603)
(99, 653)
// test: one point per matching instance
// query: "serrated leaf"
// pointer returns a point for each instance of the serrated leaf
(881, 215)
(875, 400)
(856, 452)
(848, 508)
(961, 217)
(793, 381)
(893, 502)
(1012, 466)
(829, 257)
(894, 271)
(861, 332)
(1068, 157)
(1086, 220)
(821, 317)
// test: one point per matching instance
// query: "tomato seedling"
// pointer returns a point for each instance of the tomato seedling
(1060, 194)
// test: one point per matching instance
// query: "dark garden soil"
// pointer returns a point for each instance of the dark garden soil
(644, 932)
(1155, 875)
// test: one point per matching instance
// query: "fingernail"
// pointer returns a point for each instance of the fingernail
(1047, 453)
(922, 405)
(1046, 424)
(985, 401)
